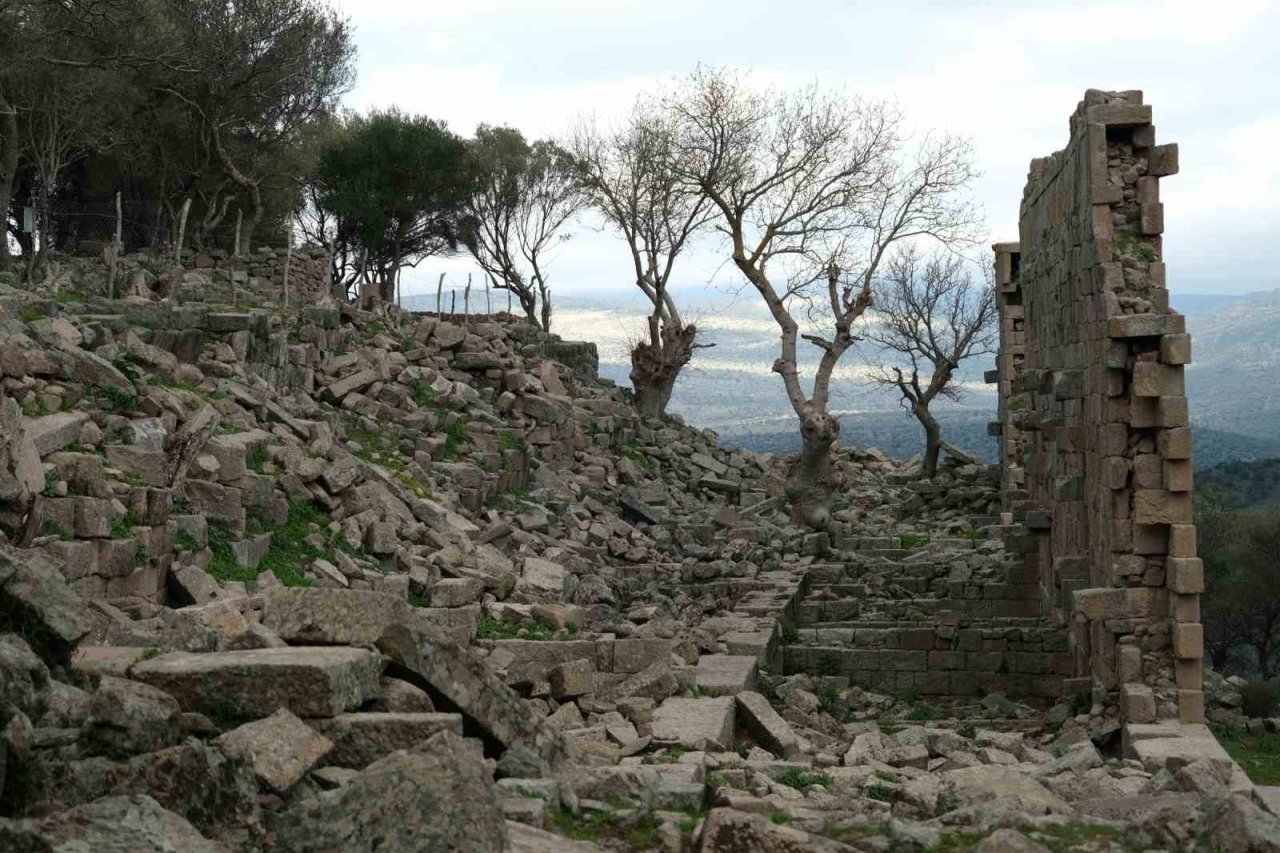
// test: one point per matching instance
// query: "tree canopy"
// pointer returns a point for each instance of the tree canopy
(389, 189)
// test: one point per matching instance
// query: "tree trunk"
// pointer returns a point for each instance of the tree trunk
(812, 480)
(8, 171)
(655, 368)
(932, 441)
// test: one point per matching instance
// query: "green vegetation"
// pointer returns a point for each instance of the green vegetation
(912, 541)
(290, 552)
(539, 629)
(923, 714)
(1257, 755)
(780, 817)
(1241, 485)
(883, 793)
(255, 460)
(150, 652)
(185, 541)
(633, 452)
(716, 780)
(57, 532)
(788, 632)
(796, 778)
(117, 399)
(121, 528)
(826, 664)
(507, 441)
(828, 695)
(638, 830)
(375, 448)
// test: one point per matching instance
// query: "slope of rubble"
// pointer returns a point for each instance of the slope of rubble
(325, 580)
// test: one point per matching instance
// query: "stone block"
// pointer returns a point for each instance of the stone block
(359, 739)
(1175, 349)
(1175, 443)
(310, 681)
(695, 723)
(1185, 574)
(1188, 639)
(756, 716)
(725, 675)
(571, 678)
(1158, 506)
(1137, 703)
(281, 748)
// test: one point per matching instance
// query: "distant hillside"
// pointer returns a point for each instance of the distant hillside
(1232, 380)
(1246, 484)
(894, 433)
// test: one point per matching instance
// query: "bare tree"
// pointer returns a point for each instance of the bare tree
(525, 196)
(629, 176)
(929, 317)
(820, 185)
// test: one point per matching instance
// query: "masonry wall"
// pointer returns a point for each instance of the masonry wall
(1095, 445)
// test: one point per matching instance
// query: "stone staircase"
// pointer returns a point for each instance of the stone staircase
(943, 617)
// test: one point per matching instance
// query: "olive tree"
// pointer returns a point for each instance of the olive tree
(629, 177)
(812, 189)
(929, 317)
(524, 196)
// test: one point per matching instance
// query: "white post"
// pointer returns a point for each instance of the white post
(288, 259)
(115, 251)
(466, 302)
(439, 288)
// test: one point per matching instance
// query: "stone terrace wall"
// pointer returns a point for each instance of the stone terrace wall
(1095, 445)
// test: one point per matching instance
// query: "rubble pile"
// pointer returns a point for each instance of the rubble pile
(320, 579)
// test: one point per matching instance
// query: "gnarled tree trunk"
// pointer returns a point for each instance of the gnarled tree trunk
(812, 480)
(655, 367)
(932, 441)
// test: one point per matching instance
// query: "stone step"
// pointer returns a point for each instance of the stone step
(935, 672)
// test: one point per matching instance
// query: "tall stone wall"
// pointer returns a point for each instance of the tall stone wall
(1095, 445)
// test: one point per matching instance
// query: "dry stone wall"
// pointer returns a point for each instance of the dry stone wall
(1095, 445)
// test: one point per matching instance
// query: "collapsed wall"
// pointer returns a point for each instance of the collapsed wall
(1095, 446)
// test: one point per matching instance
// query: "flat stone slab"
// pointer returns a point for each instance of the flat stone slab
(310, 681)
(54, 432)
(362, 738)
(692, 722)
(725, 675)
(281, 747)
(770, 730)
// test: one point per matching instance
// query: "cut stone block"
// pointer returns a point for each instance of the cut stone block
(756, 716)
(281, 748)
(310, 681)
(423, 655)
(572, 678)
(541, 580)
(362, 738)
(695, 723)
(725, 675)
(54, 432)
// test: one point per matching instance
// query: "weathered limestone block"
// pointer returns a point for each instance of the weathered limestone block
(359, 739)
(281, 748)
(310, 681)
(695, 723)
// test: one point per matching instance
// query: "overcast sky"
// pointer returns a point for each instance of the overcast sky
(1005, 74)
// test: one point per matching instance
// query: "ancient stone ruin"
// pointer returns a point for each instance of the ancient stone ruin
(306, 577)
(1094, 439)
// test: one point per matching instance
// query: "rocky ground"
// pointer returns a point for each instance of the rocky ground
(323, 580)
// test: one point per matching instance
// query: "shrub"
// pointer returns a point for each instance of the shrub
(1260, 698)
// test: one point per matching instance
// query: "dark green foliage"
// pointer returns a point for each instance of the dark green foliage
(1260, 698)
(394, 184)
(798, 779)
(788, 632)
(1241, 485)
